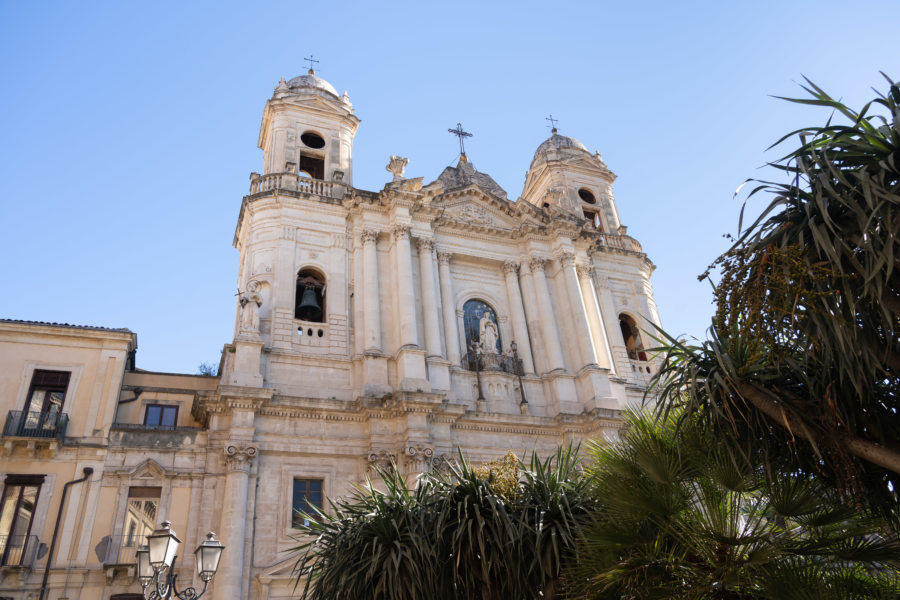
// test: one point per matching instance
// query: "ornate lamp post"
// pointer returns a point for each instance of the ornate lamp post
(523, 405)
(475, 349)
(156, 563)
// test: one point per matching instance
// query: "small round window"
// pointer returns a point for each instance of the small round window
(587, 196)
(312, 140)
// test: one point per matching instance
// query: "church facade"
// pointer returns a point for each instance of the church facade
(372, 328)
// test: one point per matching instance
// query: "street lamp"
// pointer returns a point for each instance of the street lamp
(156, 561)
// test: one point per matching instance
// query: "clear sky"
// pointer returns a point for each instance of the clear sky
(128, 129)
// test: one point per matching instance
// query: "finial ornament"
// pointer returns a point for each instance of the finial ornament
(311, 60)
(460, 133)
(396, 166)
(553, 123)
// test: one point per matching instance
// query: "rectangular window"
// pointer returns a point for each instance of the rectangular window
(160, 415)
(45, 399)
(307, 494)
(140, 521)
(20, 494)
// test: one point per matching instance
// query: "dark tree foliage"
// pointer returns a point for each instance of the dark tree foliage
(803, 357)
(467, 534)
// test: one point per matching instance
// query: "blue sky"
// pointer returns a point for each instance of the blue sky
(128, 129)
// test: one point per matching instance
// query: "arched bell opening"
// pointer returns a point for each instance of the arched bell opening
(632, 337)
(309, 303)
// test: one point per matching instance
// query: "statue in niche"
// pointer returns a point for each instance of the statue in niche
(251, 300)
(488, 334)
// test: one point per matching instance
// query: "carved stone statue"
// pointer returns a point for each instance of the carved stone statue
(397, 166)
(488, 334)
(251, 300)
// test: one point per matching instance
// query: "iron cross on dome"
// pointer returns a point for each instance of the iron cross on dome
(460, 133)
(311, 60)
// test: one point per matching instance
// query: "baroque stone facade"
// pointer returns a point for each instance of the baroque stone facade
(372, 329)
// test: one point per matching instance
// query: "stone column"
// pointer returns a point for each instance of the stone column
(448, 302)
(406, 299)
(579, 314)
(547, 318)
(614, 337)
(429, 299)
(517, 312)
(370, 295)
(595, 318)
(238, 462)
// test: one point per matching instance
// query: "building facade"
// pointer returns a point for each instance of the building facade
(372, 328)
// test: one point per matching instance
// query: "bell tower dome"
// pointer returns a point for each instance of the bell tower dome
(308, 129)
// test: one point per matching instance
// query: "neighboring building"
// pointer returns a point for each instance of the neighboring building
(372, 327)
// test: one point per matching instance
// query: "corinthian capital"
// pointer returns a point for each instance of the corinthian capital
(445, 257)
(537, 264)
(369, 236)
(401, 232)
(566, 259)
(425, 244)
(585, 270)
(510, 266)
(239, 457)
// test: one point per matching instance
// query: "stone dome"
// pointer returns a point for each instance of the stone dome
(310, 81)
(557, 143)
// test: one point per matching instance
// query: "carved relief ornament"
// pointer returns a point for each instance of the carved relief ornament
(239, 457)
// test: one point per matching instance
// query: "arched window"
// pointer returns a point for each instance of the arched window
(593, 220)
(632, 337)
(481, 326)
(309, 303)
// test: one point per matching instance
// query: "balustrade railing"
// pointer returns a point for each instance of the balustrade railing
(296, 183)
(619, 242)
(48, 424)
(121, 549)
(18, 550)
(492, 362)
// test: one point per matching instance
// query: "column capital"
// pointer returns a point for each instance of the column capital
(537, 264)
(239, 457)
(369, 236)
(401, 232)
(510, 266)
(444, 257)
(585, 270)
(425, 244)
(566, 259)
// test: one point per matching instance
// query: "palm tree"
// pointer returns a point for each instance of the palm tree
(501, 532)
(682, 516)
(803, 357)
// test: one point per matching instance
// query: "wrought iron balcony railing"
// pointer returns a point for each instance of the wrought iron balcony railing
(18, 550)
(492, 362)
(36, 424)
(120, 550)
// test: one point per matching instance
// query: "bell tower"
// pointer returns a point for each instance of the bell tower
(308, 129)
(294, 290)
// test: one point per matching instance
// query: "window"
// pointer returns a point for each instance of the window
(140, 516)
(312, 165)
(632, 337)
(159, 415)
(307, 494)
(587, 196)
(313, 140)
(593, 220)
(44, 404)
(309, 301)
(20, 494)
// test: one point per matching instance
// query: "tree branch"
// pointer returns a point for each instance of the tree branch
(868, 451)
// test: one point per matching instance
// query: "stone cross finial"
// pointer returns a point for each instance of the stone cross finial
(311, 60)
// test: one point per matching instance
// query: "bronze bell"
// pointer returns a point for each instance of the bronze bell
(309, 309)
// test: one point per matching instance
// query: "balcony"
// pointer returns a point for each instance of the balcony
(154, 436)
(296, 184)
(34, 431)
(607, 242)
(121, 549)
(18, 551)
(45, 425)
(492, 362)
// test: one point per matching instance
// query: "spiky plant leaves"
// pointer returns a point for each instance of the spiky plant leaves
(803, 358)
(730, 528)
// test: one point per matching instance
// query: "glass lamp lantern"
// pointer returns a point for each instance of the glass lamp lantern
(145, 571)
(207, 556)
(163, 546)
